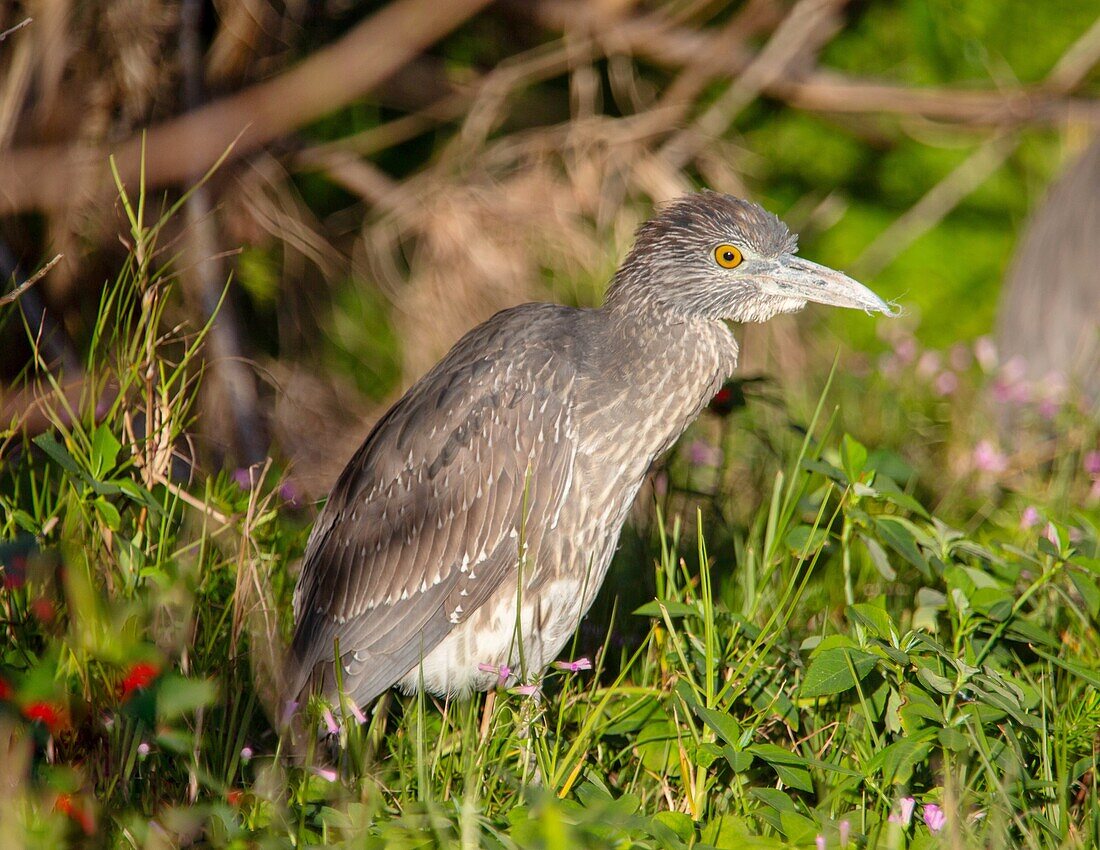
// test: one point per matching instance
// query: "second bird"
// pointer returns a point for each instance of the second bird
(475, 524)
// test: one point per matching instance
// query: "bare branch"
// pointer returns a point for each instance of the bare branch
(11, 297)
(26, 22)
(58, 175)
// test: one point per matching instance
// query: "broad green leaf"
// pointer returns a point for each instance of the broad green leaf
(896, 762)
(805, 540)
(831, 673)
(675, 609)
(875, 618)
(177, 696)
(798, 828)
(722, 723)
(853, 457)
(58, 454)
(105, 449)
(901, 540)
(1090, 593)
(879, 558)
(678, 822)
(109, 513)
(827, 469)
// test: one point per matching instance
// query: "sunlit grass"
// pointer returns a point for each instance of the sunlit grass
(836, 650)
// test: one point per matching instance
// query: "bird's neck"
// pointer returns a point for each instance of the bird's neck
(654, 354)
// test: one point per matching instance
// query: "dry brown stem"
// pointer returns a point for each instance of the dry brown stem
(26, 22)
(13, 296)
(55, 176)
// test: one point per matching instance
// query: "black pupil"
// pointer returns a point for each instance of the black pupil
(728, 256)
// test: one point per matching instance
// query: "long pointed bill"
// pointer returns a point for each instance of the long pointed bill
(794, 277)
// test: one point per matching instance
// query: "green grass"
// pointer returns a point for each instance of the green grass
(802, 640)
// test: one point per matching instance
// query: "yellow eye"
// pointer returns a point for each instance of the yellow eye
(728, 256)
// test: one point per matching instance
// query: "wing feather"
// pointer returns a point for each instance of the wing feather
(433, 498)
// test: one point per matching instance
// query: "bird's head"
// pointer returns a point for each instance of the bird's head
(720, 257)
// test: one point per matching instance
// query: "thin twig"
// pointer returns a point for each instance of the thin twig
(807, 28)
(935, 204)
(13, 296)
(26, 22)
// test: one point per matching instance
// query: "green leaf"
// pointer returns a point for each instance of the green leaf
(791, 767)
(853, 457)
(678, 822)
(901, 540)
(1092, 677)
(108, 513)
(890, 491)
(875, 618)
(897, 761)
(934, 680)
(879, 558)
(805, 540)
(775, 798)
(825, 468)
(831, 673)
(177, 696)
(1090, 593)
(798, 828)
(58, 454)
(675, 609)
(722, 723)
(953, 739)
(993, 602)
(105, 449)
(739, 760)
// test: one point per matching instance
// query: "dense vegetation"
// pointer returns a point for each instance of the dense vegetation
(857, 606)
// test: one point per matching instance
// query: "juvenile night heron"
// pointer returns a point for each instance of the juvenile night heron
(476, 523)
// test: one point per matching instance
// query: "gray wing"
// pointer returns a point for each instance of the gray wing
(424, 523)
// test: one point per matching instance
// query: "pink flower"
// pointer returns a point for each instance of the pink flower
(325, 773)
(959, 357)
(246, 754)
(906, 813)
(1029, 517)
(905, 349)
(143, 749)
(945, 383)
(929, 364)
(574, 666)
(1092, 463)
(527, 690)
(502, 672)
(819, 842)
(1051, 534)
(289, 708)
(1012, 386)
(243, 477)
(1049, 407)
(845, 832)
(701, 453)
(356, 712)
(934, 817)
(986, 353)
(330, 722)
(289, 493)
(988, 458)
